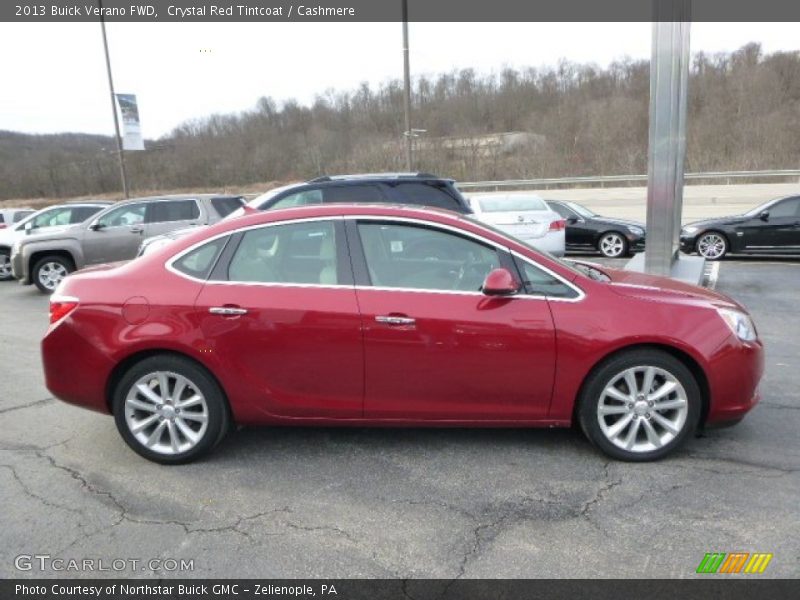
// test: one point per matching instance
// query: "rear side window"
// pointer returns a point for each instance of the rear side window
(199, 262)
(541, 283)
(225, 206)
(81, 213)
(428, 194)
(164, 211)
(353, 194)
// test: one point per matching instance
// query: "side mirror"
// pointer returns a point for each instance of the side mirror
(500, 282)
(572, 220)
(764, 216)
(28, 226)
(95, 226)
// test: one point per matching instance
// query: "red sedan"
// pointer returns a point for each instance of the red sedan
(379, 315)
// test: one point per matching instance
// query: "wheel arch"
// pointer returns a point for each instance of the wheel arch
(687, 359)
(36, 255)
(118, 372)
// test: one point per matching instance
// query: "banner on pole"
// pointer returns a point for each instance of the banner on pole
(131, 128)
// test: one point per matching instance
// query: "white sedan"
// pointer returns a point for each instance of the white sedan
(525, 216)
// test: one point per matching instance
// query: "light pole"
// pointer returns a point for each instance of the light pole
(122, 171)
(407, 85)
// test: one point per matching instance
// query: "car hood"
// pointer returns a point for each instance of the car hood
(655, 288)
(705, 223)
(52, 233)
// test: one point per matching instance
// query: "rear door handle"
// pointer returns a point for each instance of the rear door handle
(227, 311)
(395, 320)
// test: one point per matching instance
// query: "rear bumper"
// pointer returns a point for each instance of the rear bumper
(552, 242)
(75, 369)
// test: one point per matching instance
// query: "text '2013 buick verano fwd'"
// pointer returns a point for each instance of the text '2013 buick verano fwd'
(340, 315)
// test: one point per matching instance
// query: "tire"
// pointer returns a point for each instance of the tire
(49, 271)
(163, 424)
(712, 245)
(613, 245)
(5, 265)
(608, 419)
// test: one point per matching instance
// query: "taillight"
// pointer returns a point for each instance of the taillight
(60, 307)
(558, 225)
(3, 225)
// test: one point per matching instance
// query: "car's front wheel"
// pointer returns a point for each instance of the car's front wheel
(712, 245)
(170, 410)
(640, 405)
(5, 266)
(613, 245)
(49, 271)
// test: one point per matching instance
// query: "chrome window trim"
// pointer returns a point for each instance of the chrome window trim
(169, 262)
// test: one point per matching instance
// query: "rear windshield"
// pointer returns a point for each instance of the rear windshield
(512, 203)
(429, 193)
(226, 205)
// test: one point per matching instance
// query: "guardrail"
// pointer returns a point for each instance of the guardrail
(605, 179)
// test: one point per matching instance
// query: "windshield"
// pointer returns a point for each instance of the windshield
(511, 203)
(581, 210)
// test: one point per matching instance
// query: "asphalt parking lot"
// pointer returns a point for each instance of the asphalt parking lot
(407, 503)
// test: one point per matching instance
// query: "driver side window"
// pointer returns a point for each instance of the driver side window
(423, 258)
(130, 214)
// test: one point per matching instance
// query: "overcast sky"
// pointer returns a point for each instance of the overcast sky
(53, 75)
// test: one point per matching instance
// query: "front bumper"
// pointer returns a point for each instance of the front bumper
(734, 374)
(635, 242)
(687, 243)
(17, 267)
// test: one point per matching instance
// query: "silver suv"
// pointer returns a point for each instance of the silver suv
(114, 234)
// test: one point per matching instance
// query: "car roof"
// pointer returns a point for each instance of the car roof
(357, 177)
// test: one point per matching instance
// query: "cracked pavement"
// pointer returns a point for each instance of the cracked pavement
(405, 503)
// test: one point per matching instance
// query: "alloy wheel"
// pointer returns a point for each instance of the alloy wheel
(612, 245)
(166, 412)
(50, 274)
(711, 246)
(642, 409)
(5, 266)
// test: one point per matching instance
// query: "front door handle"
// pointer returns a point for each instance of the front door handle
(228, 311)
(137, 229)
(395, 320)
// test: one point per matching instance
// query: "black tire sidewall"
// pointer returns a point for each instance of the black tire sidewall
(624, 244)
(218, 414)
(603, 373)
(66, 263)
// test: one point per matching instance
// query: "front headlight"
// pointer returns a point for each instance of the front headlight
(689, 230)
(636, 230)
(740, 324)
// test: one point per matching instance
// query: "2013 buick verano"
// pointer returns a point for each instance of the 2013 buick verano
(340, 315)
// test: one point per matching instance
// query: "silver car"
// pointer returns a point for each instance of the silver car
(114, 234)
(525, 216)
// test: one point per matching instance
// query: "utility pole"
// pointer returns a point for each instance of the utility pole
(122, 171)
(407, 81)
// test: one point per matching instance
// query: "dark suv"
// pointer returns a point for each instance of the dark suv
(421, 189)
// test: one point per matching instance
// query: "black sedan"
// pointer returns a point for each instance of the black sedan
(771, 228)
(588, 231)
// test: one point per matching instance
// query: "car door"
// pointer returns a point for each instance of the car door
(577, 232)
(164, 216)
(435, 347)
(773, 228)
(282, 313)
(115, 234)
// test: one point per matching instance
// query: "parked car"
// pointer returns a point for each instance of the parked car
(420, 189)
(770, 228)
(9, 216)
(587, 230)
(327, 315)
(112, 235)
(525, 216)
(45, 220)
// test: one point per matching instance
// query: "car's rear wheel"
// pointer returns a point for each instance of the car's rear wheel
(49, 271)
(613, 245)
(712, 245)
(5, 266)
(640, 405)
(170, 410)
